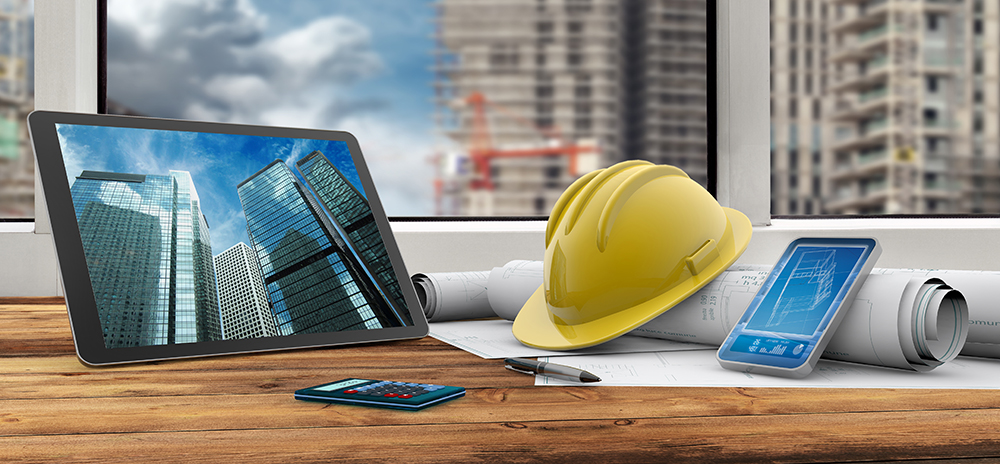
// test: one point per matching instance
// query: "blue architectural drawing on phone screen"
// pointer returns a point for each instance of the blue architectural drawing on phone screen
(805, 289)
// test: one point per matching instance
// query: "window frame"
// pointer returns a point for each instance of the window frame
(66, 80)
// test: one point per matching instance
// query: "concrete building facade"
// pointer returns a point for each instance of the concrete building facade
(628, 76)
(904, 119)
(243, 303)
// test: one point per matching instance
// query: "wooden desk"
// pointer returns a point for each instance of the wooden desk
(241, 408)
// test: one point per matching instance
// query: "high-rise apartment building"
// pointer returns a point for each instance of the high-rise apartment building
(243, 303)
(313, 280)
(17, 165)
(800, 102)
(353, 216)
(905, 116)
(903, 119)
(149, 254)
(630, 76)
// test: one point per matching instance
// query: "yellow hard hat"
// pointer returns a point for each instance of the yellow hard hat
(622, 246)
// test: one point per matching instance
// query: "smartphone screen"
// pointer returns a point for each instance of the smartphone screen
(787, 323)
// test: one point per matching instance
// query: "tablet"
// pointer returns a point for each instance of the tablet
(178, 239)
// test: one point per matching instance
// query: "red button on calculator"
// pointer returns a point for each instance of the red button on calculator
(350, 391)
(391, 395)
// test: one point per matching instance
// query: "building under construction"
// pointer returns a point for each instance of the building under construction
(535, 93)
(885, 106)
(16, 101)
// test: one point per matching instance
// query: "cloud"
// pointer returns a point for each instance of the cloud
(75, 155)
(398, 161)
(215, 60)
(210, 59)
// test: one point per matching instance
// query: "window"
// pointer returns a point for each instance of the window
(401, 78)
(742, 129)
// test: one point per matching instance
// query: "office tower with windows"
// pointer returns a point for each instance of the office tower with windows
(800, 103)
(352, 215)
(628, 76)
(149, 255)
(242, 298)
(665, 84)
(313, 280)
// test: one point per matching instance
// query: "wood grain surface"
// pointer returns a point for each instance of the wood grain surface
(240, 408)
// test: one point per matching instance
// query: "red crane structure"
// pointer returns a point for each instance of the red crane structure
(482, 150)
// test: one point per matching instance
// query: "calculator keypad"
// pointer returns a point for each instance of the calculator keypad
(409, 396)
(388, 389)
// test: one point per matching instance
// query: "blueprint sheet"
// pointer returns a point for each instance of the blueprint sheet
(700, 369)
(493, 339)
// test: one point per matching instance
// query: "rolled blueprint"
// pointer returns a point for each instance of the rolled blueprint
(931, 322)
(931, 318)
(900, 318)
(708, 315)
(449, 296)
(510, 286)
(981, 290)
(502, 291)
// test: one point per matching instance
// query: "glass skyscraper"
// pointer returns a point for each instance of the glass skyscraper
(350, 210)
(149, 256)
(313, 280)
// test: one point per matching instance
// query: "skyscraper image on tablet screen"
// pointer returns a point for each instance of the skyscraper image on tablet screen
(194, 237)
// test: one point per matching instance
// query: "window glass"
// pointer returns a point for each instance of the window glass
(17, 168)
(903, 118)
(462, 107)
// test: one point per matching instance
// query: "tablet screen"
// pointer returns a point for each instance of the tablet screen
(196, 237)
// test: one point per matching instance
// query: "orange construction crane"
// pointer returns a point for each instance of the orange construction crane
(481, 149)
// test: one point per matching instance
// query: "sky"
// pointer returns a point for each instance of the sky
(359, 66)
(217, 164)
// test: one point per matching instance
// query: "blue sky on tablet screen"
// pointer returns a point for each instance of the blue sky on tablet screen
(217, 163)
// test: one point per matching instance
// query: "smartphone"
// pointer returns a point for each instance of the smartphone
(799, 307)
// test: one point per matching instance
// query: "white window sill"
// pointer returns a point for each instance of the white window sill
(17, 227)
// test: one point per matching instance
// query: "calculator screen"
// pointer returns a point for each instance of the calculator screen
(344, 384)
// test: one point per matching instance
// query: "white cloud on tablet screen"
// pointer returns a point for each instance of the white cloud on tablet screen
(213, 60)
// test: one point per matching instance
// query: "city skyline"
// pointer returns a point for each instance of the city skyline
(216, 162)
(313, 277)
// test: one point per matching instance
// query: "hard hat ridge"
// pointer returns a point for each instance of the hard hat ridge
(621, 195)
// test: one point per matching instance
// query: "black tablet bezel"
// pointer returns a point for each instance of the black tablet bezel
(79, 294)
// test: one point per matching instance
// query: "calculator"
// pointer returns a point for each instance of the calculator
(381, 393)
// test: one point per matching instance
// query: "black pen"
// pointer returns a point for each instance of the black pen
(527, 366)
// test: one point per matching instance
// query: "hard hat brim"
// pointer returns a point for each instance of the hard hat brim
(535, 325)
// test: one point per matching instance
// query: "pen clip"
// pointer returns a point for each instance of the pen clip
(523, 371)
